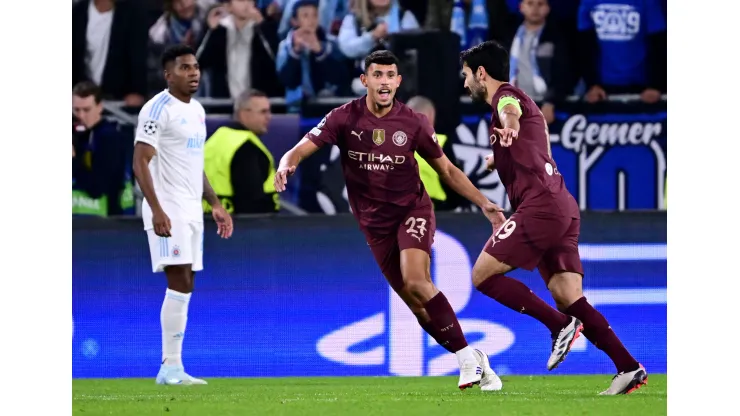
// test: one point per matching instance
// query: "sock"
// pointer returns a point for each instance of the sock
(430, 329)
(447, 329)
(517, 296)
(597, 330)
(174, 318)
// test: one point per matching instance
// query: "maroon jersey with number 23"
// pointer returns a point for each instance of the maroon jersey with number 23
(381, 173)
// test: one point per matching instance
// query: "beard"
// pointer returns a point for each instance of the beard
(478, 92)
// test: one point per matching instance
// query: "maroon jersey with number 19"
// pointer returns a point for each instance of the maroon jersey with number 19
(544, 229)
(526, 168)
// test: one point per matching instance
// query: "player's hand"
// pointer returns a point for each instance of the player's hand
(489, 162)
(595, 94)
(281, 177)
(650, 96)
(506, 136)
(494, 213)
(223, 221)
(161, 223)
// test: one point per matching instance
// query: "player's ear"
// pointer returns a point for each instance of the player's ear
(363, 79)
(399, 79)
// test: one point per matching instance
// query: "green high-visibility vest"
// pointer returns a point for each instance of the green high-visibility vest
(219, 151)
(429, 176)
(84, 204)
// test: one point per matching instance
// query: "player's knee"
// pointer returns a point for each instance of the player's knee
(482, 271)
(420, 289)
(180, 278)
(566, 288)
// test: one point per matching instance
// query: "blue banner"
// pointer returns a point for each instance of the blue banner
(609, 161)
(304, 297)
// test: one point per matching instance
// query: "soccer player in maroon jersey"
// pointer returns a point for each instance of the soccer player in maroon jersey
(377, 136)
(543, 231)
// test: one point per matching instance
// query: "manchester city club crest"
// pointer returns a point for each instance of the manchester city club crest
(378, 136)
(399, 138)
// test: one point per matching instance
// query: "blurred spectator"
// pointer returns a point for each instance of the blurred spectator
(239, 50)
(101, 151)
(183, 22)
(539, 58)
(499, 18)
(109, 47)
(239, 166)
(331, 13)
(366, 29)
(308, 62)
(443, 197)
(370, 23)
(623, 47)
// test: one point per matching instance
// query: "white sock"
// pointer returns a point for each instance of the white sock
(466, 354)
(174, 318)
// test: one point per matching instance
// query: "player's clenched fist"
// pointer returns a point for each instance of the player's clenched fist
(281, 177)
(506, 136)
(161, 223)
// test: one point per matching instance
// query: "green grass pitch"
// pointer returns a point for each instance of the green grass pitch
(355, 396)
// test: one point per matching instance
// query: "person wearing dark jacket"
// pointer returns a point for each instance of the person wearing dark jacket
(539, 58)
(109, 47)
(238, 50)
(238, 165)
(101, 151)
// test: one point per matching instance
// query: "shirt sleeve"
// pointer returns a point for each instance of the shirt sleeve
(153, 119)
(656, 21)
(427, 144)
(584, 16)
(329, 128)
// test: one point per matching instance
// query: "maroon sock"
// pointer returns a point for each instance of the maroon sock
(448, 330)
(516, 295)
(597, 330)
(431, 330)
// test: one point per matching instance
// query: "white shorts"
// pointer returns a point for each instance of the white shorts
(185, 246)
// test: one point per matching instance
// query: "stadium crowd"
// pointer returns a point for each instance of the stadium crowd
(300, 50)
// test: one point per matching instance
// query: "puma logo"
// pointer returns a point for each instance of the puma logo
(359, 135)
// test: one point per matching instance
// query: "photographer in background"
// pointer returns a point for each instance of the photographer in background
(101, 154)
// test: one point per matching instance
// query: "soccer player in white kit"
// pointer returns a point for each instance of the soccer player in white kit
(168, 164)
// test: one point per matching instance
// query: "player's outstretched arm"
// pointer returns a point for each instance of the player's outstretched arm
(290, 160)
(509, 112)
(459, 182)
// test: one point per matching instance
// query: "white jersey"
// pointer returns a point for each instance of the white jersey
(177, 131)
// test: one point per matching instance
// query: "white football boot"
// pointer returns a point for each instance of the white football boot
(490, 380)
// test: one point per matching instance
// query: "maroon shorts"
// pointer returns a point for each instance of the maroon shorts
(531, 239)
(416, 230)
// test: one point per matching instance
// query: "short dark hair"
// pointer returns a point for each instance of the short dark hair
(492, 56)
(381, 57)
(84, 89)
(302, 3)
(175, 51)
